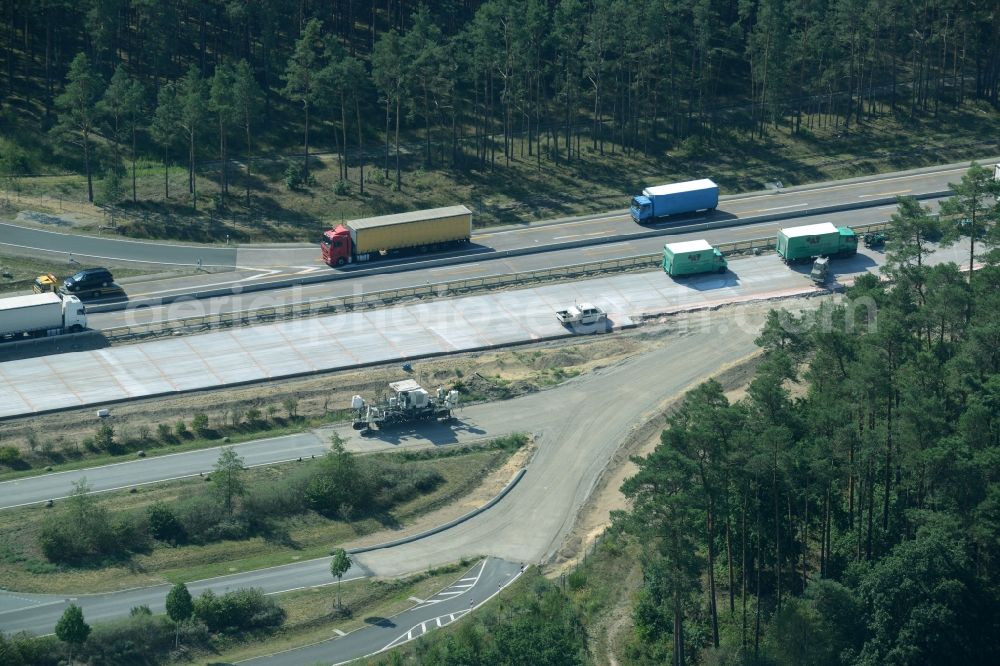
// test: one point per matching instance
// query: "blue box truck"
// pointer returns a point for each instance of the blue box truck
(673, 199)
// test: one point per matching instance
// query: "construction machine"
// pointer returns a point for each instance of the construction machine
(407, 403)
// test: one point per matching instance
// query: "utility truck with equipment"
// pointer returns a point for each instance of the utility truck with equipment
(816, 240)
(407, 403)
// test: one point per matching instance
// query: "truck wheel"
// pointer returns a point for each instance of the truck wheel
(341, 261)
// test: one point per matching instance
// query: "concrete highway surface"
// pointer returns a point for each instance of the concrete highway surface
(344, 340)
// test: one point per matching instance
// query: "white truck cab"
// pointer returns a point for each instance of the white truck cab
(74, 314)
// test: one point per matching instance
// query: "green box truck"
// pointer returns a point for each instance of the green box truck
(692, 257)
(816, 240)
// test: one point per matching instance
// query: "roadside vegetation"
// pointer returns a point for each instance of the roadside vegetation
(227, 628)
(234, 519)
(531, 622)
(842, 512)
(109, 442)
(202, 123)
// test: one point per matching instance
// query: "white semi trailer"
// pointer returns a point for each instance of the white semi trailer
(41, 314)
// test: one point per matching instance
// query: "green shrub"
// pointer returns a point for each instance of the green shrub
(23, 649)
(180, 429)
(200, 422)
(10, 456)
(163, 433)
(240, 610)
(104, 439)
(141, 640)
(163, 524)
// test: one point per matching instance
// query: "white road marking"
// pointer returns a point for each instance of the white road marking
(339, 632)
(269, 273)
(798, 205)
(451, 268)
(416, 600)
(883, 194)
(596, 233)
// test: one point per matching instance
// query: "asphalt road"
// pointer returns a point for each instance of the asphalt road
(480, 584)
(241, 302)
(94, 249)
(279, 264)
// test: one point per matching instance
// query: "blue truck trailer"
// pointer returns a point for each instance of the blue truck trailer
(674, 199)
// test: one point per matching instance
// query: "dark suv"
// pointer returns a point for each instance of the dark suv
(90, 278)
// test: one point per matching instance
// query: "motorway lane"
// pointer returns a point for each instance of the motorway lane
(32, 490)
(278, 262)
(97, 248)
(480, 584)
(239, 302)
(364, 337)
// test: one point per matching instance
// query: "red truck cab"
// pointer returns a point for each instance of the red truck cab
(336, 246)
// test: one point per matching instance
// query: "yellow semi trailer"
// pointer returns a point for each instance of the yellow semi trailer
(373, 237)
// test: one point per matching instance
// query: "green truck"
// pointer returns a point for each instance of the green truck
(816, 240)
(692, 257)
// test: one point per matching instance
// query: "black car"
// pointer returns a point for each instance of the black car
(90, 278)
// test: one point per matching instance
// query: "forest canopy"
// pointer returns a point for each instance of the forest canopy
(196, 79)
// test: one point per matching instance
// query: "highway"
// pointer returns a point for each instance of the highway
(261, 266)
(623, 247)
(577, 427)
(480, 584)
(365, 337)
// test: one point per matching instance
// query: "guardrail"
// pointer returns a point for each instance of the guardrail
(317, 307)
